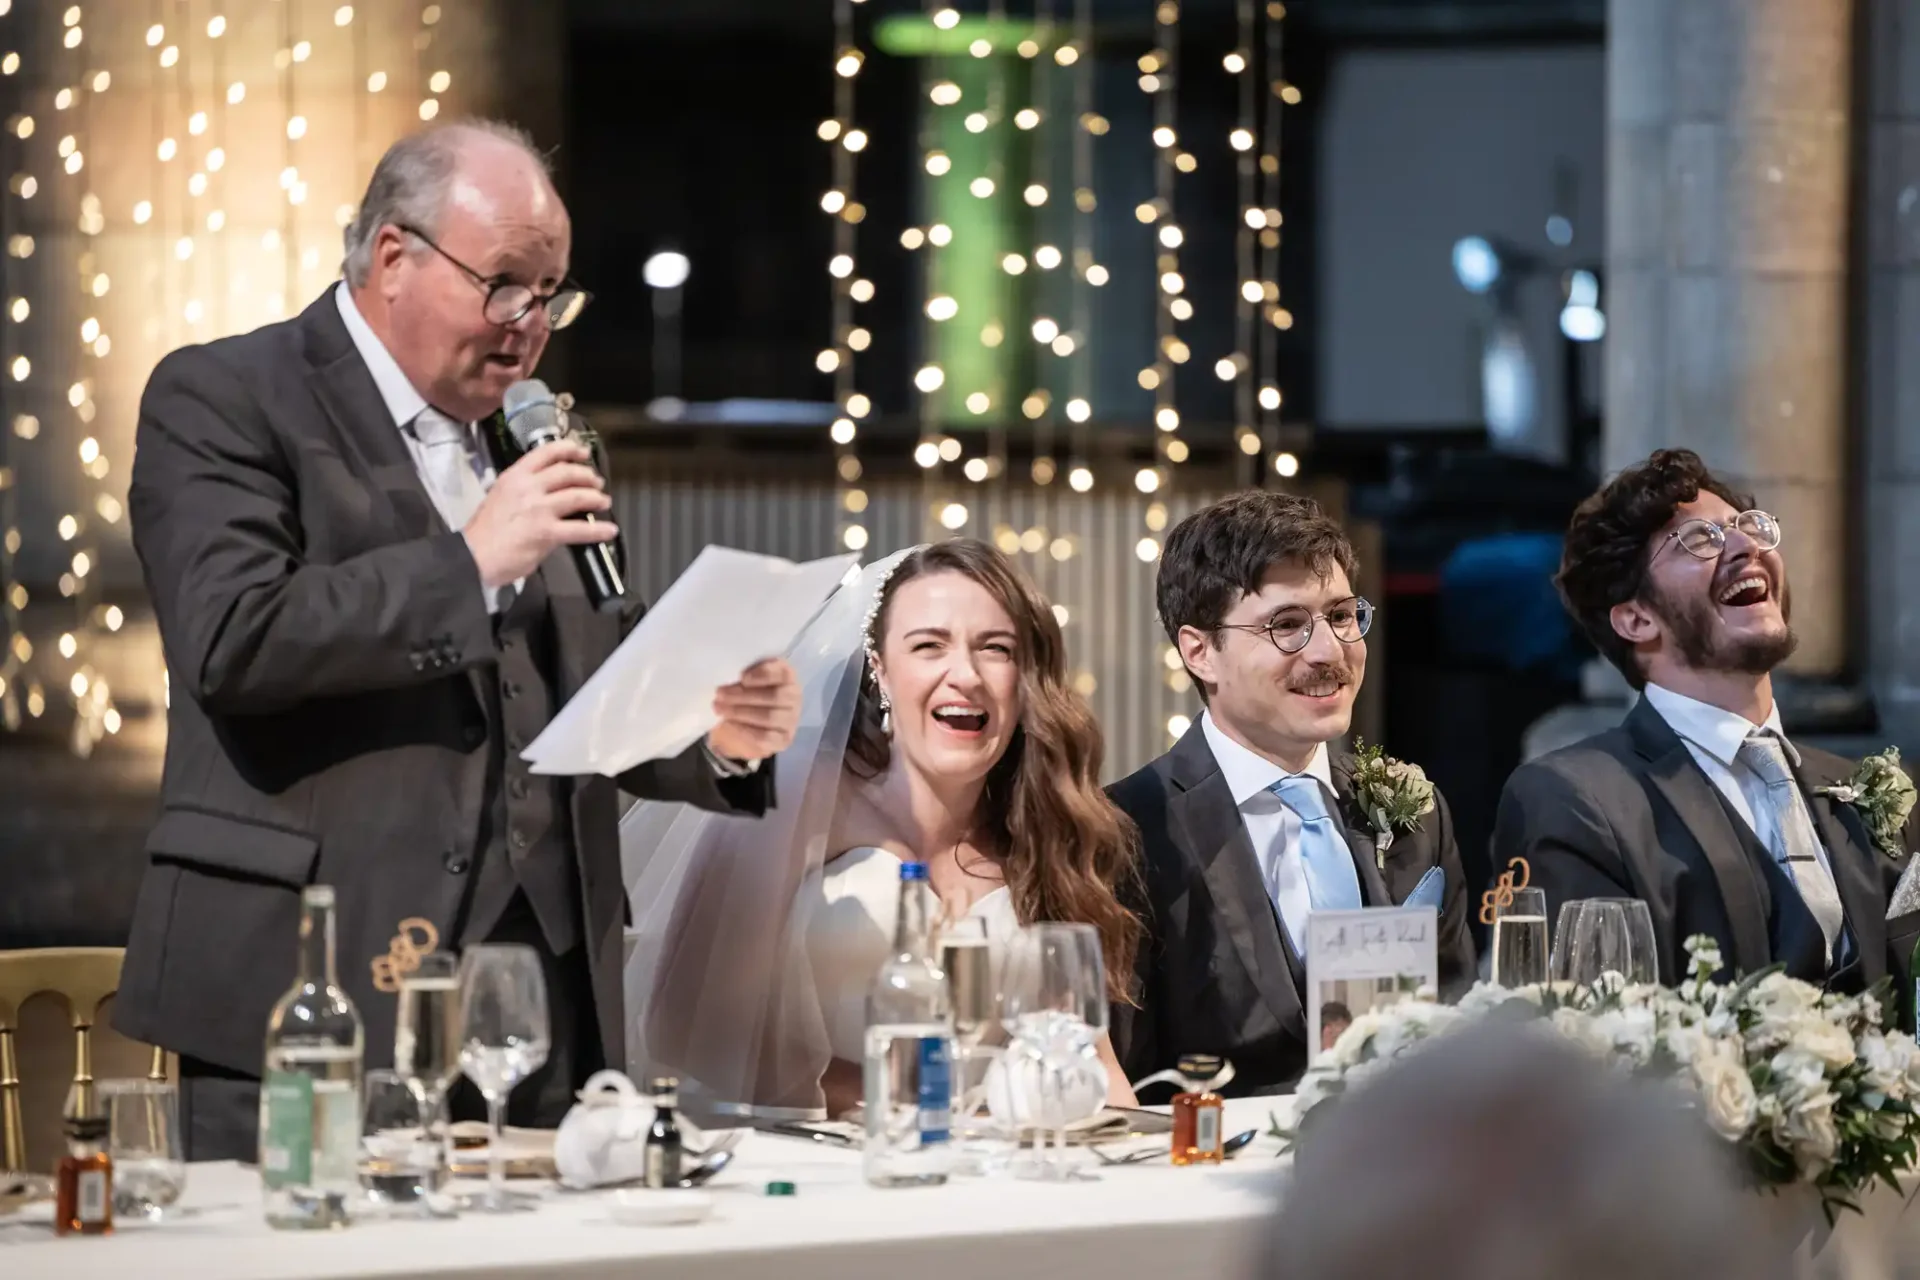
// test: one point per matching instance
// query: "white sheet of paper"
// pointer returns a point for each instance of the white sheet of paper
(1369, 959)
(654, 697)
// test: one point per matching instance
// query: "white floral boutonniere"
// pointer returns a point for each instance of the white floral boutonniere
(1394, 795)
(1882, 794)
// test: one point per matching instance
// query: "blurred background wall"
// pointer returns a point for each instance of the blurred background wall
(1479, 224)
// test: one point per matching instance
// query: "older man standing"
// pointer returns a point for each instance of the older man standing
(369, 608)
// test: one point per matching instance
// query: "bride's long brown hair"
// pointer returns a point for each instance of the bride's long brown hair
(1066, 852)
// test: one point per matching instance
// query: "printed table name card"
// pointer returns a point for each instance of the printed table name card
(1362, 961)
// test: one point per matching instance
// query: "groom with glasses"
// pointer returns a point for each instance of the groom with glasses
(1248, 825)
(1699, 804)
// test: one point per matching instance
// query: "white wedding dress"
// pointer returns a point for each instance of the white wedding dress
(850, 933)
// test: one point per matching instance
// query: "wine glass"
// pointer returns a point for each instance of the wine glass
(427, 1040)
(1520, 939)
(149, 1169)
(504, 1039)
(1598, 936)
(1056, 1006)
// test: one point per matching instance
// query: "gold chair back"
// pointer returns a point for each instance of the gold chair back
(34, 1040)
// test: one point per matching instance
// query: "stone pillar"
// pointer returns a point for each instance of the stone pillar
(1891, 372)
(1727, 237)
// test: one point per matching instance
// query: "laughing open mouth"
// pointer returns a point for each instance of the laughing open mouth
(1746, 590)
(1320, 687)
(961, 718)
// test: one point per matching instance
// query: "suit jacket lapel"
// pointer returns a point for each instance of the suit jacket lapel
(1853, 857)
(344, 387)
(1366, 857)
(1671, 769)
(1203, 807)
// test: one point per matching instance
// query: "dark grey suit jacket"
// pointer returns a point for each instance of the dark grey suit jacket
(1216, 974)
(326, 640)
(1628, 814)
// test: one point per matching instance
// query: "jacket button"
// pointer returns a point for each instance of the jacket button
(517, 788)
(419, 661)
(518, 838)
(509, 689)
(454, 863)
(472, 736)
(514, 742)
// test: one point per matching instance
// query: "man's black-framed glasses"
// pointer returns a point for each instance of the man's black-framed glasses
(508, 301)
(1705, 540)
(1291, 628)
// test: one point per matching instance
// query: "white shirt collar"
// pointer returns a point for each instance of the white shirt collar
(1248, 773)
(403, 401)
(1716, 731)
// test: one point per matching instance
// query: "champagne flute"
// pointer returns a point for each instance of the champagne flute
(427, 1041)
(966, 957)
(504, 1039)
(1598, 936)
(1520, 939)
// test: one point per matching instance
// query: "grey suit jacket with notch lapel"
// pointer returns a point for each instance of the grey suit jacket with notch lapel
(1628, 813)
(327, 641)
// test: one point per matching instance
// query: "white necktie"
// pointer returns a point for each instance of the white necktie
(1791, 835)
(448, 467)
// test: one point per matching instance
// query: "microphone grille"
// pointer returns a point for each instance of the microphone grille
(531, 412)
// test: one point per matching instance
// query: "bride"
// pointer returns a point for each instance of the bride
(938, 727)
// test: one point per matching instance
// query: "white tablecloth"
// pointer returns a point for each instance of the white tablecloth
(1147, 1220)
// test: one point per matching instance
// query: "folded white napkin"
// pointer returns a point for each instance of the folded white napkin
(603, 1138)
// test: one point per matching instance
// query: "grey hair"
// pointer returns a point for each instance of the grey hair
(410, 184)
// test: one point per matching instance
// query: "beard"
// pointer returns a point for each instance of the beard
(1694, 625)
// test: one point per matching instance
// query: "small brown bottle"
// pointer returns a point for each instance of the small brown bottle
(84, 1182)
(1198, 1113)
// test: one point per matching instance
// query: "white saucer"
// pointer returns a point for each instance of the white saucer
(638, 1207)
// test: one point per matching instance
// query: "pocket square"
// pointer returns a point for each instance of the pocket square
(1430, 892)
(1906, 894)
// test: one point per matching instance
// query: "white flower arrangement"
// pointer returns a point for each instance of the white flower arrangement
(1808, 1084)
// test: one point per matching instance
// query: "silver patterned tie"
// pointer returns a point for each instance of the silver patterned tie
(1789, 833)
(448, 455)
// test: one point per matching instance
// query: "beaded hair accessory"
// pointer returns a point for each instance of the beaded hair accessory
(868, 639)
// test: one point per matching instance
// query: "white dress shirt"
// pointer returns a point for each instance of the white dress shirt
(1713, 737)
(406, 404)
(1271, 825)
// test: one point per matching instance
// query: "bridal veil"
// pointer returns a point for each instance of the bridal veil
(719, 989)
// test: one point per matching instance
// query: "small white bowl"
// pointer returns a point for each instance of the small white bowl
(638, 1207)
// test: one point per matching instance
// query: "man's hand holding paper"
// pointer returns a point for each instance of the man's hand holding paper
(704, 662)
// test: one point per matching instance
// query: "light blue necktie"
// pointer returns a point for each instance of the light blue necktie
(1325, 858)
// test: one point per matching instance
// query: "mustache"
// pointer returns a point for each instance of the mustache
(1338, 673)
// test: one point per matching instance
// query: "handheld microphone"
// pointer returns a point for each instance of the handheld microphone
(534, 419)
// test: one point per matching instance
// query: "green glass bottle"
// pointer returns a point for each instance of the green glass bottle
(1913, 991)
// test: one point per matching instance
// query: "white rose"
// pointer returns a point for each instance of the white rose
(1809, 1133)
(1885, 1070)
(1798, 1076)
(1629, 1032)
(1831, 1044)
(1582, 1030)
(1726, 1094)
(1685, 1045)
(1353, 1042)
